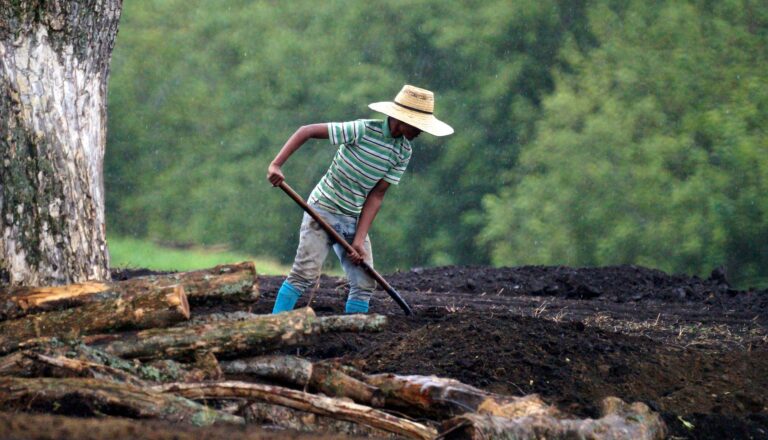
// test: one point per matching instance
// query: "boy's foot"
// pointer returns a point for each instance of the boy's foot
(286, 298)
(356, 306)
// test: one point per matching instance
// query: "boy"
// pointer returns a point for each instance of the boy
(372, 155)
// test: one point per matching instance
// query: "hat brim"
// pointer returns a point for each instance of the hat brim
(423, 121)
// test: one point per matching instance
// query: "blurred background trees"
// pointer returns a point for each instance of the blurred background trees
(587, 132)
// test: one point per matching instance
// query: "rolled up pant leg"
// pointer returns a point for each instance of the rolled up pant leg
(314, 244)
(361, 285)
(310, 254)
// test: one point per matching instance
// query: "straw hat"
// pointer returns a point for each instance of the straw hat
(414, 106)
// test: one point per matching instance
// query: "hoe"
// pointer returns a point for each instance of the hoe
(339, 239)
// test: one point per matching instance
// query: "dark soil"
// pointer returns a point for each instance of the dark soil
(694, 349)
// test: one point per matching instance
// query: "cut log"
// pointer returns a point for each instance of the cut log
(440, 397)
(232, 281)
(416, 396)
(226, 282)
(209, 318)
(325, 377)
(168, 370)
(98, 397)
(22, 301)
(262, 413)
(619, 421)
(292, 370)
(160, 308)
(33, 362)
(18, 426)
(29, 363)
(208, 365)
(15, 364)
(326, 406)
(231, 339)
(78, 368)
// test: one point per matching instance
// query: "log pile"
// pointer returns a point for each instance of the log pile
(128, 349)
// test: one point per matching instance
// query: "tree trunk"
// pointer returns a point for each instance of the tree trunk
(336, 408)
(160, 308)
(54, 64)
(99, 397)
(230, 339)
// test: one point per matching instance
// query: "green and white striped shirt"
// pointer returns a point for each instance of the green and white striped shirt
(367, 153)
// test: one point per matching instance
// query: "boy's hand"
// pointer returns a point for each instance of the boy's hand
(359, 255)
(275, 175)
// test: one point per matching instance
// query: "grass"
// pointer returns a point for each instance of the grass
(134, 253)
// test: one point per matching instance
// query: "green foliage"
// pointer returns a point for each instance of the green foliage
(587, 133)
(651, 151)
(203, 96)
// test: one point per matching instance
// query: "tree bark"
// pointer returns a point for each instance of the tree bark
(619, 421)
(51, 427)
(230, 339)
(443, 398)
(325, 377)
(336, 408)
(15, 303)
(207, 364)
(161, 308)
(92, 362)
(99, 397)
(229, 281)
(417, 396)
(54, 65)
(262, 413)
(29, 363)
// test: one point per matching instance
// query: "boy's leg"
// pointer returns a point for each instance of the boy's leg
(310, 255)
(361, 284)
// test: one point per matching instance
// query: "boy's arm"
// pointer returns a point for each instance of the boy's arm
(303, 134)
(370, 209)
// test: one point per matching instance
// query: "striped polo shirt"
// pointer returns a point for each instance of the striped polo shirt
(367, 153)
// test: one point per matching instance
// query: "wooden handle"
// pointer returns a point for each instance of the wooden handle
(347, 247)
(332, 232)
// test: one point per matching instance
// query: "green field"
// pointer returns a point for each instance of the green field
(133, 254)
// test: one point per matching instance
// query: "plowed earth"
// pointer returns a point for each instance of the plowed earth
(694, 349)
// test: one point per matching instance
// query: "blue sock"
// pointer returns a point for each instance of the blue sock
(356, 306)
(286, 298)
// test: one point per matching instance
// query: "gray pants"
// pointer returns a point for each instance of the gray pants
(314, 244)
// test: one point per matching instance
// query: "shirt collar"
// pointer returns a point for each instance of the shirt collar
(385, 129)
(401, 141)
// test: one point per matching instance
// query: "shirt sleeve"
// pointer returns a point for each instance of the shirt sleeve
(396, 172)
(340, 133)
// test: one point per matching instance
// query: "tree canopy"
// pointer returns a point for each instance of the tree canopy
(587, 132)
(651, 150)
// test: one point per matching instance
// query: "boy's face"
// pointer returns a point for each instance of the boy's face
(410, 132)
(401, 128)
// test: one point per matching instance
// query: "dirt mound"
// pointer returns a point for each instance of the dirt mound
(693, 349)
(622, 283)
